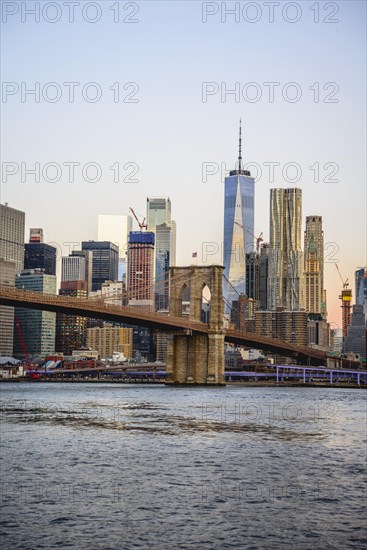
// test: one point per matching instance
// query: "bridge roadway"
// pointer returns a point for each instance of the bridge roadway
(98, 308)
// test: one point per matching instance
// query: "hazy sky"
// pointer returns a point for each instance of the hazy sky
(154, 117)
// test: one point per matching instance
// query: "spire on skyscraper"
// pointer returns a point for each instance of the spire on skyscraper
(239, 169)
(240, 149)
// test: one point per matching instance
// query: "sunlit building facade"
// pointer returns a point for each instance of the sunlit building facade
(314, 265)
(109, 340)
(285, 275)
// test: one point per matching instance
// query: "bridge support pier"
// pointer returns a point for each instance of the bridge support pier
(196, 358)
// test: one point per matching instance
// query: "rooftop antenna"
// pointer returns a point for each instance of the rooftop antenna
(240, 148)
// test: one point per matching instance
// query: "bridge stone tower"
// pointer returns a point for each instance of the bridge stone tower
(196, 358)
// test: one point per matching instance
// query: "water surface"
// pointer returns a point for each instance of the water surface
(114, 466)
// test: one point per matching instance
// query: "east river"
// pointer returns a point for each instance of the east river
(115, 466)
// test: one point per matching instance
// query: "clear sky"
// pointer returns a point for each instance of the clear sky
(169, 129)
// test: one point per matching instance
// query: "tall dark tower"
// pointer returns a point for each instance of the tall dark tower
(39, 255)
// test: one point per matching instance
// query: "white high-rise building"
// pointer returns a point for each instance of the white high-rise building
(73, 268)
(12, 236)
(112, 292)
(285, 280)
(115, 229)
(11, 262)
(87, 255)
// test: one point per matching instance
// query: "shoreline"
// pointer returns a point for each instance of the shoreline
(251, 384)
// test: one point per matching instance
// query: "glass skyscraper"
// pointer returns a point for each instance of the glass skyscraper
(34, 329)
(159, 221)
(239, 199)
(163, 251)
(40, 256)
(361, 288)
(104, 262)
(158, 212)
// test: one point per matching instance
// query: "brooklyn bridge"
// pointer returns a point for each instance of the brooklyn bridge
(195, 349)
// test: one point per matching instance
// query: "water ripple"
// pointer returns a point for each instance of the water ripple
(103, 467)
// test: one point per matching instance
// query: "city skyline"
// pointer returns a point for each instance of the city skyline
(185, 181)
(301, 229)
(176, 139)
(213, 251)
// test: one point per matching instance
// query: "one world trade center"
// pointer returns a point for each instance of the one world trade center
(239, 191)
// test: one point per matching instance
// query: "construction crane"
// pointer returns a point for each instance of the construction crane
(344, 283)
(142, 224)
(258, 239)
(346, 299)
(23, 344)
